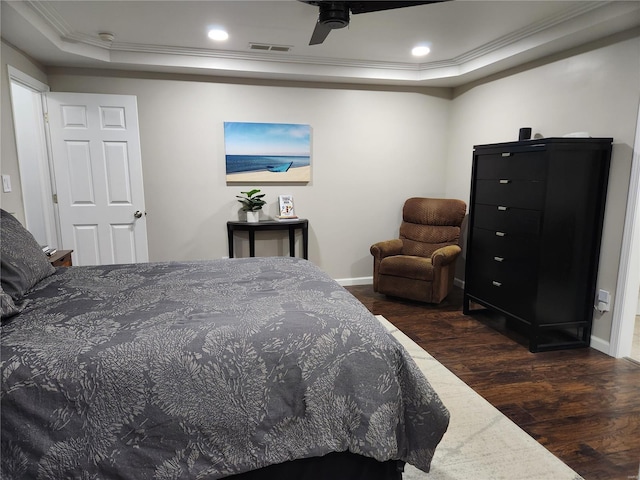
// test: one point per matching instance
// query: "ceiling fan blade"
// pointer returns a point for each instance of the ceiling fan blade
(377, 6)
(331, 15)
(320, 33)
(335, 14)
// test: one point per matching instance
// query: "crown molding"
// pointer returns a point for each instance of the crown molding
(576, 19)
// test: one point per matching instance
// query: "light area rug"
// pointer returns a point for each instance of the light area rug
(481, 443)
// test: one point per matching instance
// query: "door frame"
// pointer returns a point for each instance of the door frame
(628, 283)
(40, 89)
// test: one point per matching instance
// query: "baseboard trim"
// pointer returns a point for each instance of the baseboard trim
(348, 282)
(600, 345)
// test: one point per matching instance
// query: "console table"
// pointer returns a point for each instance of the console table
(265, 225)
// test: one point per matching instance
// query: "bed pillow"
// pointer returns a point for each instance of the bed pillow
(22, 260)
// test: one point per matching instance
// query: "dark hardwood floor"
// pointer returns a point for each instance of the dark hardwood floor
(581, 404)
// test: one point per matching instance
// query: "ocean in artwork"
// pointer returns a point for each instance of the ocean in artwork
(272, 163)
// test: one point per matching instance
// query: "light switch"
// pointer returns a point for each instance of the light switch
(6, 183)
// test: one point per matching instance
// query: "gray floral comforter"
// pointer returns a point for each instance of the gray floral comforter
(202, 370)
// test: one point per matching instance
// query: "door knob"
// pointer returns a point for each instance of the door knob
(138, 214)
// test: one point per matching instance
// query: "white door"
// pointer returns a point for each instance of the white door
(98, 176)
(33, 157)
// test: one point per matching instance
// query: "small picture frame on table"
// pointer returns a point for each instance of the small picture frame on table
(286, 210)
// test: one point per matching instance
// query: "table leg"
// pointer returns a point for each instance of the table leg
(252, 243)
(230, 235)
(305, 242)
(292, 241)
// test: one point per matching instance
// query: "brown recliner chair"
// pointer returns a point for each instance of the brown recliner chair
(420, 265)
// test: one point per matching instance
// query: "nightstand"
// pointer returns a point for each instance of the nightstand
(62, 258)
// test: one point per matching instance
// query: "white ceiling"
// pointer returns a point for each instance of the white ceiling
(469, 39)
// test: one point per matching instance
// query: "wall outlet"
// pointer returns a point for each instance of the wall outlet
(603, 303)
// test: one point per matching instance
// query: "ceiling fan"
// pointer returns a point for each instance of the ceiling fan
(335, 15)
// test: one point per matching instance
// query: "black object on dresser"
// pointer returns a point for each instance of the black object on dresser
(533, 246)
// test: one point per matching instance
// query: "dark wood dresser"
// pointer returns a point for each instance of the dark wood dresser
(533, 245)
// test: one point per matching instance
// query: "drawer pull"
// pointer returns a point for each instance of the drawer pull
(502, 209)
(496, 284)
(506, 154)
(498, 259)
(500, 234)
(504, 181)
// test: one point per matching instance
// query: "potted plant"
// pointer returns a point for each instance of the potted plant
(252, 204)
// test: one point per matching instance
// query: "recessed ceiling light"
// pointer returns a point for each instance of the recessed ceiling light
(218, 34)
(420, 51)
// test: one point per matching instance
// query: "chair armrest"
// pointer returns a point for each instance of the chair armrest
(387, 248)
(445, 255)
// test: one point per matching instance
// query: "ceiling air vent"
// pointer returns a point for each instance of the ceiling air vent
(269, 48)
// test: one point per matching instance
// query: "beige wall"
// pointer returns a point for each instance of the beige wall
(12, 202)
(596, 91)
(371, 149)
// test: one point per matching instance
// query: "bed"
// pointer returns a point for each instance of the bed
(243, 368)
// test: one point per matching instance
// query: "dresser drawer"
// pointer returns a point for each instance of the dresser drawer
(511, 193)
(507, 219)
(512, 166)
(517, 251)
(514, 296)
(509, 270)
(503, 270)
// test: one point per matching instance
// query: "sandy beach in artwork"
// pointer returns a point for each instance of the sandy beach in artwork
(294, 174)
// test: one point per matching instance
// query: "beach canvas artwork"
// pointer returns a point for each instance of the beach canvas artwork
(267, 152)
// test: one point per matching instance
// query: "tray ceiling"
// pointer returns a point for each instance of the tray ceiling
(469, 39)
